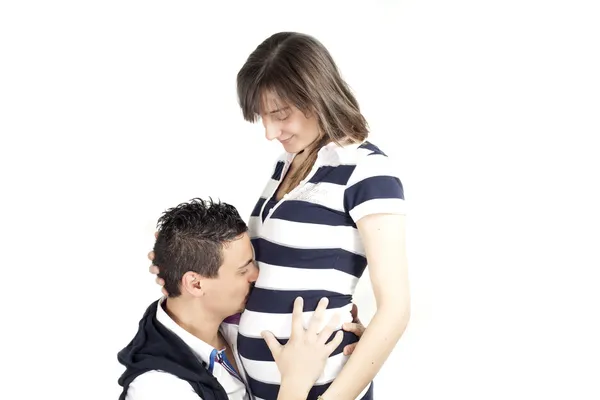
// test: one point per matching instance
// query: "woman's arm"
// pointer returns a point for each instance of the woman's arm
(383, 236)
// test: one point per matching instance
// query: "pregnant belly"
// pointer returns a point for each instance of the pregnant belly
(271, 310)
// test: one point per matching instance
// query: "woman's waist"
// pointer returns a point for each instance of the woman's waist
(264, 377)
(309, 280)
(267, 311)
(267, 303)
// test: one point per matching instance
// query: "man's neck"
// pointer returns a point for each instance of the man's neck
(193, 318)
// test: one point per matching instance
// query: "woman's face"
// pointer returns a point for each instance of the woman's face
(288, 124)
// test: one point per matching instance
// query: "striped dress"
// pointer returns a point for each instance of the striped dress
(308, 245)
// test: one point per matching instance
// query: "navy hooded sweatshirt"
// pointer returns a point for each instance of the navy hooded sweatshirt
(154, 347)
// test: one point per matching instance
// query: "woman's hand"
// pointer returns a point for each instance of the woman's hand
(154, 269)
(355, 327)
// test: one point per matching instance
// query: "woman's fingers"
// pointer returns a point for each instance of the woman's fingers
(357, 329)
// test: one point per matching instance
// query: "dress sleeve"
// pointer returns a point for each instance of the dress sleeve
(374, 188)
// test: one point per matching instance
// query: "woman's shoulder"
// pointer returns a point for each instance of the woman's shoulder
(369, 148)
(365, 152)
(367, 159)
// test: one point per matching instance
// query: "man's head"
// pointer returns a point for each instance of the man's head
(204, 253)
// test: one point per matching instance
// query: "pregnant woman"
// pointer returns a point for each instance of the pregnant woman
(332, 205)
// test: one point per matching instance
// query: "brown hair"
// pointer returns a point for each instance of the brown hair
(300, 71)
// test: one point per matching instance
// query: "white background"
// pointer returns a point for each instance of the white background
(113, 111)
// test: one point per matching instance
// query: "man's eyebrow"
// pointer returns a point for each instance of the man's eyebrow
(246, 264)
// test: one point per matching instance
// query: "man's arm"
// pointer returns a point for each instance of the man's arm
(302, 360)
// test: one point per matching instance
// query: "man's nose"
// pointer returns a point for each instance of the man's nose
(253, 276)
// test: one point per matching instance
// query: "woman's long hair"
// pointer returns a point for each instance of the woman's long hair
(299, 70)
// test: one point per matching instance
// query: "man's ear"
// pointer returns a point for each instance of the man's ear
(192, 283)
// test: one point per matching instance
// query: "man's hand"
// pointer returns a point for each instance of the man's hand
(154, 269)
(302, 360)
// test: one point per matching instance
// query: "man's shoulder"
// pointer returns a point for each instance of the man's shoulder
(159, 385)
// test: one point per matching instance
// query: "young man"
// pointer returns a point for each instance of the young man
(185, 347)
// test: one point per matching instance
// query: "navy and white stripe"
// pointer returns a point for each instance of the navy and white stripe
(308, 245)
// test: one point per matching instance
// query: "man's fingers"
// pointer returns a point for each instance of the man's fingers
(328, 330)
(297, 324)
(272, 343)
(337, 339)
(151, 256)
(156, 235)
(316, 321)
(153, 269)
(349, 349)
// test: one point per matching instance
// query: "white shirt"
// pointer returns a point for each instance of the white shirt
(159, 385)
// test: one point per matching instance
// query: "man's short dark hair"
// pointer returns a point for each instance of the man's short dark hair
(191, 238)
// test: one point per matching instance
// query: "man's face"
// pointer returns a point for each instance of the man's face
(227, 293)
